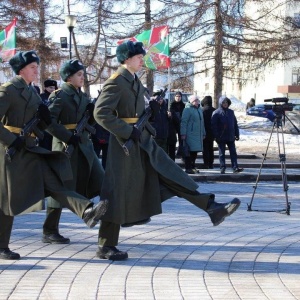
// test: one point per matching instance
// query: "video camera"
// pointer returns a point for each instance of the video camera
(280, 106)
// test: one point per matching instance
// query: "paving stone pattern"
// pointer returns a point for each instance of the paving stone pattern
(178, 255)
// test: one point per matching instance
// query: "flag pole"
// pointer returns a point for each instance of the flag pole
(169, 88)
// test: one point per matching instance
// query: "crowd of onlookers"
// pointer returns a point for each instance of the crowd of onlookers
(185, 129)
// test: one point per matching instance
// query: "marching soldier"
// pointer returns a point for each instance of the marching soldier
(68, 105)
(137, 184)
(29, 172)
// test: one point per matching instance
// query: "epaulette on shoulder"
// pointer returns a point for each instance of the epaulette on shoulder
(6, 84)
(114, 76)
(57, 91)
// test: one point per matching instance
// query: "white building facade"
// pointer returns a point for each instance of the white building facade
(279, 80)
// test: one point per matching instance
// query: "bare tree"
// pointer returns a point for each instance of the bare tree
(221, 32)
(33, 17)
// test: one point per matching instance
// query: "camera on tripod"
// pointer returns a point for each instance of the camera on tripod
(281, 105)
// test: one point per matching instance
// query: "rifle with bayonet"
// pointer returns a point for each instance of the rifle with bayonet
(141, 123)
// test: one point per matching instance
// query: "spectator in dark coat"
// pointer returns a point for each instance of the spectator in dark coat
(160, 123)
(226, 132)
(176, 109)
(172, 136)
(208, 142)
(50, 86)
(100, 142)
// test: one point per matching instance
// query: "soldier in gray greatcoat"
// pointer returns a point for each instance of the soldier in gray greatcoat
(32, 172)
(68, 105)
(137, 184)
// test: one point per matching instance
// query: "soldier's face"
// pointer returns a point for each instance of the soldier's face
(77, 79)
(135, 63)
(30, 72)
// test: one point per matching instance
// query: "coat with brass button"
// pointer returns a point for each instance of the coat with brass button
(21, 182)
(67, 108)
(132, 184)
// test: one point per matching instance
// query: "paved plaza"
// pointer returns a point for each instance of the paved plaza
(179, 255)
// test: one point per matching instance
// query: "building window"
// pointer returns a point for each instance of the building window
(296, 76)
(206, 72)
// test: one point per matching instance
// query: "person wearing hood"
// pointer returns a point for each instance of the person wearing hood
(226, 132)
(192, 132)
(208, 142)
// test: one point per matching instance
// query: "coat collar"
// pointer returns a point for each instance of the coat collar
(132, 79)
(70, 90)
(126, 74)
(21, 84)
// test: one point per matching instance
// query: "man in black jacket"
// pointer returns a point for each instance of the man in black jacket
(226, 132)
(208, 142)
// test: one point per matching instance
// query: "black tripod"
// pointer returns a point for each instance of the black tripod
(278, 122)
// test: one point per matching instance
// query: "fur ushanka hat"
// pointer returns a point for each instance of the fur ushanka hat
(22, 59)
(129, 49)
(69, 68)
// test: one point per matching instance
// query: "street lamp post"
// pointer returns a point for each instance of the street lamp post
(71, 23)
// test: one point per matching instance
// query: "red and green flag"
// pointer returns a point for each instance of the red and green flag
(8, 41)
(156, 44)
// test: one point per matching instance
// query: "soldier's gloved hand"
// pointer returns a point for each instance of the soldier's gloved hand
(154, 106)
(74, 140)
(135, 134)
(90, 108)
(18, 143)
(44, 114)
(237, 138)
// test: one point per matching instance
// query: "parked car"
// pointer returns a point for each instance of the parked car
(261, 111)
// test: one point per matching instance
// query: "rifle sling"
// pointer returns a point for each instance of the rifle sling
(17, 130)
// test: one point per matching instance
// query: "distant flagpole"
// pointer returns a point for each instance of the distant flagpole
(8, 41)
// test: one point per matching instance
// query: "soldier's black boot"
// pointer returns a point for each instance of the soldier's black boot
(50, 228)
(93, 214)
(5, 253)
(111, 253)
(219, 211)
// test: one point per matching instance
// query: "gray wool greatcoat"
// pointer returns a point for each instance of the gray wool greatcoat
(21, 184)
(135, 185)
(67, 107)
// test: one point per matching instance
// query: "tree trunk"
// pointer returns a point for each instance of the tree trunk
(149, 73)
(218, 75)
